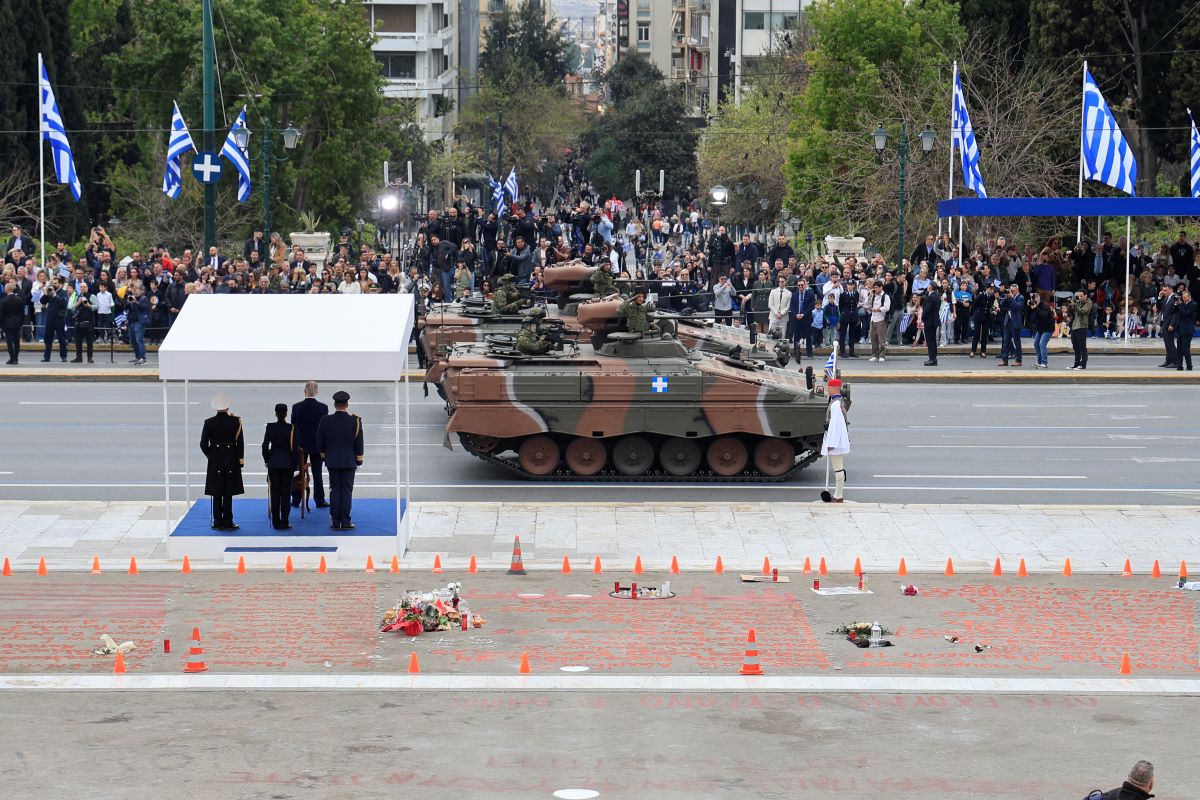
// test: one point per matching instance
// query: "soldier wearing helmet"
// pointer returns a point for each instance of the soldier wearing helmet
(635, 313)
(602, 281)
(507, 298)
(530, 339)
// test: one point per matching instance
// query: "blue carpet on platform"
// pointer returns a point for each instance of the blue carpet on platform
(373, 516)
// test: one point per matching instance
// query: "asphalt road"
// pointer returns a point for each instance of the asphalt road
(486, 745)
(911, 443)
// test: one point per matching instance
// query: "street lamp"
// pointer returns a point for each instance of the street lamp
(880, 142)
(291, 138)
(763, 203)
(719, 195)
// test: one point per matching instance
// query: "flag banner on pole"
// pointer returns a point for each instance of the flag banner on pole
(1195, 164)
(178, 145)
(510, 186)
(831, 365)
(962, 136)
(53, 132)
(238, 158)
(1107, 157)
(497, 193)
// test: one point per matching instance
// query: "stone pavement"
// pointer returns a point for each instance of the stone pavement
(1096, 538)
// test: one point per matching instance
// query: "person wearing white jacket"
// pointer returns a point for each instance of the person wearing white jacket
(778, 303)
(836, 444)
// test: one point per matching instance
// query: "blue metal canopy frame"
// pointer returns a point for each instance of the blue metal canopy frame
(1070, 207)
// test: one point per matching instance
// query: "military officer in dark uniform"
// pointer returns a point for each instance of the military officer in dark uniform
(222, 443)
(306, 416)
(281, 454)
(340, 443)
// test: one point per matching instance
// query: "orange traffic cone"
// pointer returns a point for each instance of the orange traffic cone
(1126, 667)
(637, 566)
(1183, 569)
(42, 566)
(597, 567)
(370, 568)
(808, 565)
(949, 566)
(1067, 568)
(414, 665)
(719, 569)
(119, 665)
(674, 565)
(6, 571)
(566, 567)
(1155, 571)
(1021, 571)
(321, 567)
(288, 567)
(395, 564)
(903, 570)
(524, 668)
(473, 566)
(766, 565)
(822, 569)
(858, 570)
(437, 564)
(95, 565)
(1127, 570)
(516, 568)
(133, 570)
(750, 665)
(186, 569)
(195, 661)
(241, 569)
(996, 568)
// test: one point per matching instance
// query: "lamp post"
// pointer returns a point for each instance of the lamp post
(291, 138)
(719, 196)
(763, 203)
(880, 140)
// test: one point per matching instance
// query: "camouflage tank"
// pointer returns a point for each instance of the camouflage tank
(642, 408)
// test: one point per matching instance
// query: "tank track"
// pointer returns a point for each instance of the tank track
(610, 475)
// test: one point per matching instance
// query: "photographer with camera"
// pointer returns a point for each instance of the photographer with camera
(1080, 314)
(82, 306)
(54, 305)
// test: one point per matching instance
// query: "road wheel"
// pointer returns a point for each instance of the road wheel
(586, 456)
(633, 455)
(479, 443)
(774, 456)
(539, 455)
(727, 456)
(679, 457)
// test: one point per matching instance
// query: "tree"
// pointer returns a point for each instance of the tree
(1005, 21)
(523, 50)
(647, 128)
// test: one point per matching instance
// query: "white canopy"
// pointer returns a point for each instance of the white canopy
(289, 337)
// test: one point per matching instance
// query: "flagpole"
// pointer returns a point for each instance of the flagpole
(41, 167)
(1082, 132)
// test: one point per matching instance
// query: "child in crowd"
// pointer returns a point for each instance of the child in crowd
(1109, 324)
(831, 317)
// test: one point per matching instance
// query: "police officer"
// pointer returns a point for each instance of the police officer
(306, 416)
(282, 456)
(530, 339)
(340, 442)
(222, 443)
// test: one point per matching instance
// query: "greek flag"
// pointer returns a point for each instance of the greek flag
(962, 136)
(179, 144)
(510, 186)
(1107, 157)
(238, 158)
(121, 319)
(831, 365)
(53, 132)
(1195, 157)
(497, 193)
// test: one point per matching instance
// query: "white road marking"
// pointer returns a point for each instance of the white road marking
(985, 426)
(992, 445)
(103, 403)
(993, 477)
(1042, 406)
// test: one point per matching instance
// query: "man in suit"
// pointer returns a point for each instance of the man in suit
(222, 443)
(12, 316)
(925, 251)
(804, 300)
(281, 454)
(306, 417)
(340, 441)
(19, 241)
(1013, 313)
(255, 244)
(54, 303)
(1168, 305)
(931, 307)
(1184, 322)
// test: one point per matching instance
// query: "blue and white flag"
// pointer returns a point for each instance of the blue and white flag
(510, 186)
(962, 136)
(179, 144)
(831, 365)
(53, 132)
(1106, 156)
(497, 193)
(1195, 171)
(237, 157)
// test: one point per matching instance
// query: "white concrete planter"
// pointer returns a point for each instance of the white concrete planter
(315, 245)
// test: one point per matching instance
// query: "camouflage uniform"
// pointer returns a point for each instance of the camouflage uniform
(602, 282)
(530, 339)
(507, 298)
(637, 317)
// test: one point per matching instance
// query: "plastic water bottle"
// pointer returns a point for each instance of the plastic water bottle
(876, 634)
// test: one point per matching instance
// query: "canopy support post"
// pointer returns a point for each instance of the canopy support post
(166, 416)
(187, 453)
